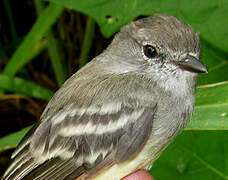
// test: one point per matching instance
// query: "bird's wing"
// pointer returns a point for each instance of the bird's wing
(77, 139)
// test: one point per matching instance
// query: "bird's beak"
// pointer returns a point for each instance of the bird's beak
(192, 64)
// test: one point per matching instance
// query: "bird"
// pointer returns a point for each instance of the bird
(120, 111)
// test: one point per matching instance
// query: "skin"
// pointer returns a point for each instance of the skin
(138, 175)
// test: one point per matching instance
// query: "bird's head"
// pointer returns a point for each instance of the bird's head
(158, 44)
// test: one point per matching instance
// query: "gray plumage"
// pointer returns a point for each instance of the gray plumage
(140, 90)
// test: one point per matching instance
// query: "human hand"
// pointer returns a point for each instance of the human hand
(138, 175)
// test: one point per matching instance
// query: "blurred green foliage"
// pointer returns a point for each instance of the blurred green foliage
(197, 153)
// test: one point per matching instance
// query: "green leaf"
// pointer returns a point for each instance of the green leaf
(194, 155)
(13, 139)
(53, 50)
(206, 16)
(21, 86)
(211, 110)
(217, 63)
(40, 28)
(110, 15)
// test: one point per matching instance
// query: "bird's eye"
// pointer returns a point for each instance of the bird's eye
(150, 51)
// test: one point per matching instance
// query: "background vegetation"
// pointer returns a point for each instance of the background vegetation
(44, 42)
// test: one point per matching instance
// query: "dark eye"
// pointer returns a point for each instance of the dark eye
(150, 51)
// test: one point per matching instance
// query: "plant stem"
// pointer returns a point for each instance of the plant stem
(37, 32)
(52, 47)
(88, 39)
(9, 14)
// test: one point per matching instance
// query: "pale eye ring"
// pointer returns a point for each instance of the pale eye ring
(150, 51)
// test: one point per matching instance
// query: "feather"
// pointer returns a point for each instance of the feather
(56, 168)
(22, 164)
(104, 119)
(80, 135)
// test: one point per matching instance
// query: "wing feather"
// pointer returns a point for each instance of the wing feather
(79, 136)
(135, 137)
(21, 165)
(56, 168)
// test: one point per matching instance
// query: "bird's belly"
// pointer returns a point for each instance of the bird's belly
(143, 160)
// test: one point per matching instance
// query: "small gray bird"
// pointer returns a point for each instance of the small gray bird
(119, 112)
